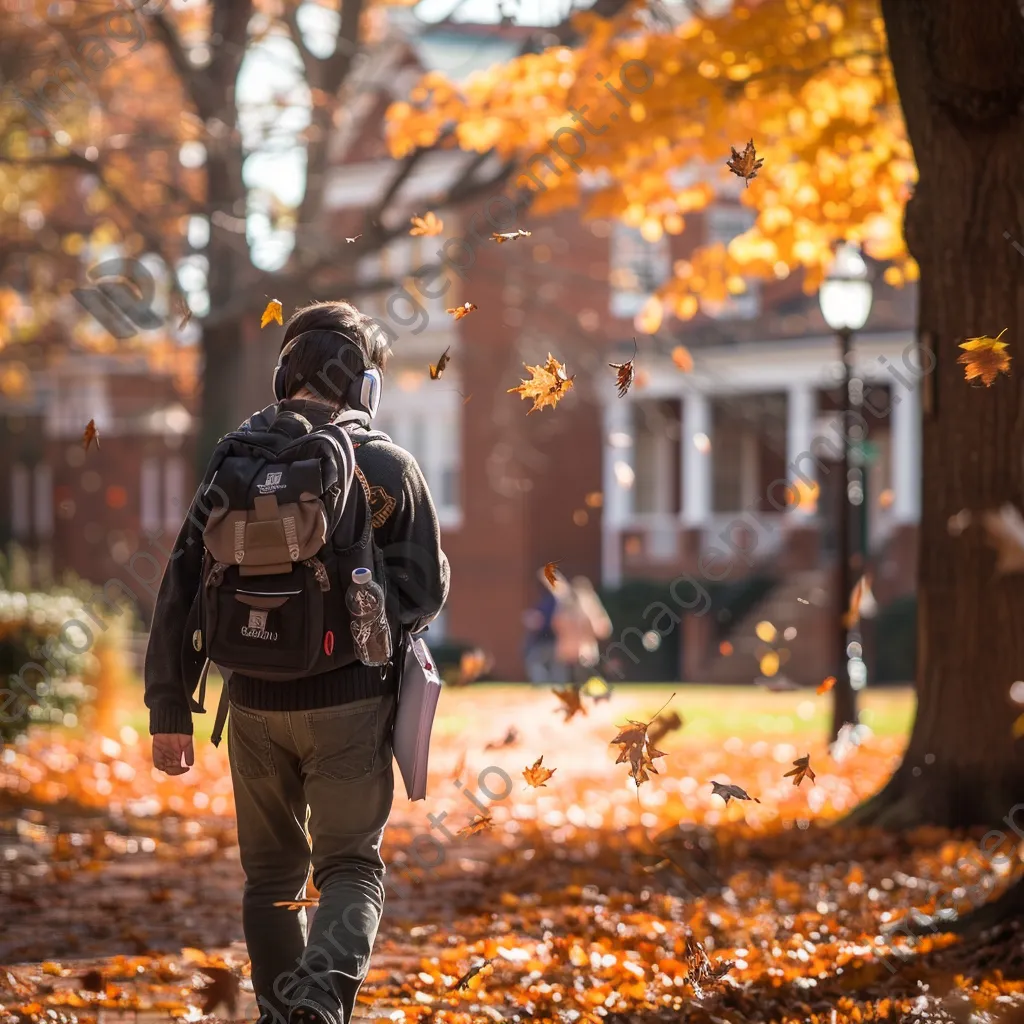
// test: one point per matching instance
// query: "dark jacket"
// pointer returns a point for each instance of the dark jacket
(406, 531)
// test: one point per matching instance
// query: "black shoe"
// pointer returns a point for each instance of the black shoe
(307, 1010)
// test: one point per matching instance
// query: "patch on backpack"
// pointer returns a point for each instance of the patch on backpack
(271, 483)
(381, 506)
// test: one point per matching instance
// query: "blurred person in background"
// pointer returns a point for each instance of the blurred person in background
(580, 623)
(539, 643)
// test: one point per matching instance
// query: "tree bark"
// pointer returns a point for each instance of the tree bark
(959, 68)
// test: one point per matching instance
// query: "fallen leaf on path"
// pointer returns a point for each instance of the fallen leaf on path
(481, 967)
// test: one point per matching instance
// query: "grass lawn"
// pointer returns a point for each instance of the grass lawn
(710, 712)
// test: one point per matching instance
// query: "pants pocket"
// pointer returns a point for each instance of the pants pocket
(249, 748)
(345, 740)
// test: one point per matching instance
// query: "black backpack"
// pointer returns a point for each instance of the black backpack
(287, 524)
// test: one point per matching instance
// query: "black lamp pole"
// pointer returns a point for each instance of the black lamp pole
(844, 697)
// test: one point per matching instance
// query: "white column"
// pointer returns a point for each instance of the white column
(696, 472)
(906, 453)
(801, 412)
(618, 447)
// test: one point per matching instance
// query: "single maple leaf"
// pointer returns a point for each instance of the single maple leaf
(801, 770)
(460, 311)
(1004, 530)
(223, 988)
(638, 749)
(537, 774)
(826, 684)
(436, 371)
(182, 309)
(428, 224)
(354, 238)
(745, 165)
(728, 791)
(297, 904)
(480, 967)
(90, 434)
(624, 373)
(546, 384)
(481, 823)
(550, 572)
(700, 968)
(985, 357)
(92, 981)
(663, 725)
(682, 358)
(510, 236)
(510, 740)
(274, 313)
(570, 702)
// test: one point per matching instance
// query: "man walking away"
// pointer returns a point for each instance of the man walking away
(278, 578)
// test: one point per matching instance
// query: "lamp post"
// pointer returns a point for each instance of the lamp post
(845, 298)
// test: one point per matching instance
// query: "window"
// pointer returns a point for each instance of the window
(43, 483)
(20, 498)
(174, 494)
(656, 454)
(149, 496)
(724, 223)
(638, 269)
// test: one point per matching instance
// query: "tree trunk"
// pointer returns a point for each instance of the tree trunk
(959, 68)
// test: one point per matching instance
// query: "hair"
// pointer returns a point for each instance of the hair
(321, 361)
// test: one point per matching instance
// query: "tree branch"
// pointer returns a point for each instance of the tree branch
(193, 80)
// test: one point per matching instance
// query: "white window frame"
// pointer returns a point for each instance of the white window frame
(150, 518)
(649, 262)
(726, 221)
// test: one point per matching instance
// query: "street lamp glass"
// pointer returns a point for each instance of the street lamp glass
(846, 294)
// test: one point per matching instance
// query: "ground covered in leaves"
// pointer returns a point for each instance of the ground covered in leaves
(580, 899)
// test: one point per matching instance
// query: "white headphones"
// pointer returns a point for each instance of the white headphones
(364, 389)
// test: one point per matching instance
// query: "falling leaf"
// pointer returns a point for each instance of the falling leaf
(481, 823)
(274, 313)
(355, 238)
(682, 358)
(861, 601)
(429, 224)
(826, 684)
(801, 770)
(546, 385)
(985, 357)
(746, 164)
(91, 434)
(472, 665)
(570, 702)
(478, 968)
(508, 236)
(728, 791)
(663, 725)
(436, 371)
(551, 572)
(624, 373)
(537, 775)
(1018, 727)
(1004, 529)
(297, 904)
(510, 740)
(460, 311)
(181, 308)
(638, 749)
(223, 988)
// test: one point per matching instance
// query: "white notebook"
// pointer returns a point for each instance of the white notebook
(417, 702)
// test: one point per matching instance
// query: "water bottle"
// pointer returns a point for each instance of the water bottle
(370, 630)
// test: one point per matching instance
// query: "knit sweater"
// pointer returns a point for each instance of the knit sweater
(405, 529)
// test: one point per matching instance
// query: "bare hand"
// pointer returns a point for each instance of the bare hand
(169, 748)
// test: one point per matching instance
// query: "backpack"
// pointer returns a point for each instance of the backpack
(287, 525)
